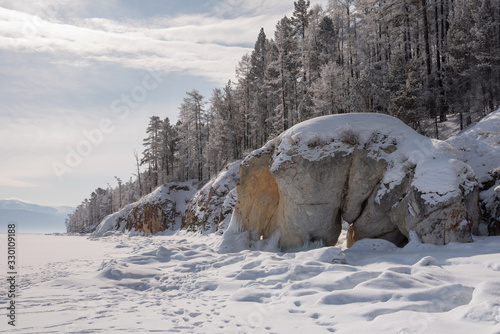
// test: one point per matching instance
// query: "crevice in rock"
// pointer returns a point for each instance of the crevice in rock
(395, 236)
(363, 205)
(345, 189)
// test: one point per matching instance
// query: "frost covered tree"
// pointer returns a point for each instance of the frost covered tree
(168, 138)
(260, 108)
(224, 142)
(152, 151)
(286, 69)
(192, 131)
(243, 97)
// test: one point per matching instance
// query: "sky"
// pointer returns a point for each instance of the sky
(79, 80)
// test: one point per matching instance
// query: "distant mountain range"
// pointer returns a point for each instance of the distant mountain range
(32, 218)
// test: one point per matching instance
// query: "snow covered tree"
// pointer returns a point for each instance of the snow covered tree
(462, 60)
(301, 16)
(287, 69)
(192, 135)
(486, 43)
(223, 146)
(260, 110)
(244, 99)
(168, 136)
(327, 97)
(152, 151)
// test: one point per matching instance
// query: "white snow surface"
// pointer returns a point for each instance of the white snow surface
(179, 283)
(438, 172)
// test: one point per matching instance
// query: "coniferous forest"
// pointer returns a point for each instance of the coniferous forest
(418, 60)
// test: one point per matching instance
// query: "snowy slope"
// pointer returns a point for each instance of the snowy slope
(123, 284)
(175, 194)
(479, 146)
(33, 218)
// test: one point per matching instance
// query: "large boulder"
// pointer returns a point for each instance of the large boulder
(369, 170)
(209, 210)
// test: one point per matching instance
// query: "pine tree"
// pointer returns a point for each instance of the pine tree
(301, 16)
(168, 137)
(243, 95)
(327, 40)
(192, 134)
(152, 151)
(260, 112)
(327, 91)
(223, 144)
(288, 71)
(462, 60)
(486, 43)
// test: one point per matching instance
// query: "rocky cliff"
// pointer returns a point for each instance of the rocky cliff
(479, 146)
(368, 170)
(210, 208)
(157, 212)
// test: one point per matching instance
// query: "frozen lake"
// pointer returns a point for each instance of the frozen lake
(117, 284)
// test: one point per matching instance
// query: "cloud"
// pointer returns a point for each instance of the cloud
(65, 61)
(6, 182)
(208, 44)
(236, 8)
(202, 50)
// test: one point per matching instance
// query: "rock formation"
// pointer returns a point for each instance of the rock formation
(479, 146)
(156, 212)
(490, 204)
(369, 170)
(210, 208)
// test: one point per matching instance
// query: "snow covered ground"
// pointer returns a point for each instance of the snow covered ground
(179, 283)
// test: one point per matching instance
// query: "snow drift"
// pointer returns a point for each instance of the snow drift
(370, 170)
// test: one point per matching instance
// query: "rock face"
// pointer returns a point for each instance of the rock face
(210, 208)
(479, 146)
(369, 170)
(152, 218)
(159, 211)
(490, 201)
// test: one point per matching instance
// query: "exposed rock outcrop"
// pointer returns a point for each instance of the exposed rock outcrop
(369, 170)
(157, 212)
(490, 201)
(479, 146)
(210, 208)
